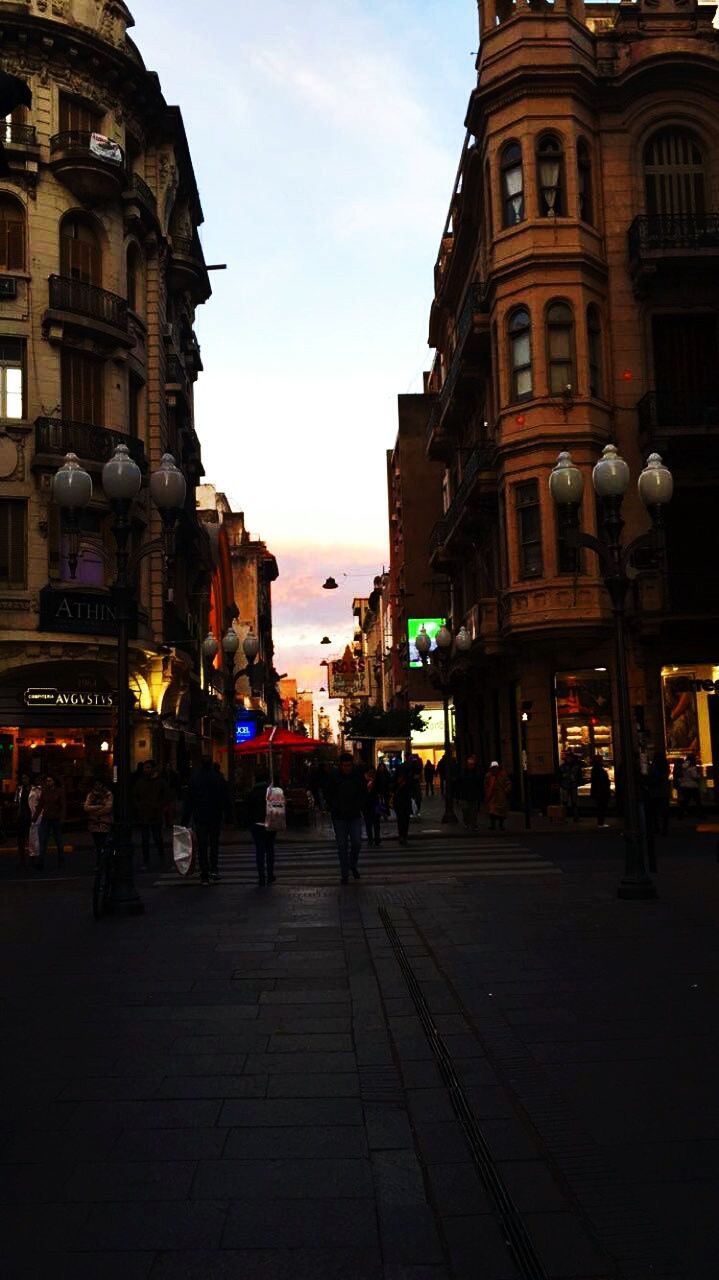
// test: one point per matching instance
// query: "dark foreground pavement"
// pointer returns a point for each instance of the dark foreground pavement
(477, 1078)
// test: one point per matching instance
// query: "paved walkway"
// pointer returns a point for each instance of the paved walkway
(491, 1077)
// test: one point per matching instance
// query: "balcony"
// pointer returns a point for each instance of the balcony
(188, 272)
(94, 446)
(18, 139)
(668, 419)
(471, 332)
(88, 307)
(460, 517)
(92, 167)
(140, 204)
(666, 239)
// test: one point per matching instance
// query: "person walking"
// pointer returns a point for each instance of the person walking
(414, 765)
(24, 816)
(570, 779)
(690, 786)
(98, 807)
(442, 773)
(209, 800)
(659, 791)
(600, 789)
(50, 813)
(345, 793)
(372, 809)
(496, 793)
(429, 772)
(262, 838)
(383, 784)
(402, 805)
(471, 788)
(151, 798)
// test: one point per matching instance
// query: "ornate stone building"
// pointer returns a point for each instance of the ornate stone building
(576, 304)
(101, 270)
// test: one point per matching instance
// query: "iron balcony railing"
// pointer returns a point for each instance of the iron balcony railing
(175, 373)
(480, 459)
(664, 410)
(185, 246)
(139, 186)
(653, 233)
(474, 302)
(17, 135)
(68, 294)
(80, 141)
(58, 436)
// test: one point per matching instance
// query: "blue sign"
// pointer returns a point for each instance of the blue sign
(245, 729)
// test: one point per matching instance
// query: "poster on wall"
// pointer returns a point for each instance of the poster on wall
(681, 721)
(348, 676)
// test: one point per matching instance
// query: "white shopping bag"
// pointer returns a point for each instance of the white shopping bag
(183, 850)
(276, 815)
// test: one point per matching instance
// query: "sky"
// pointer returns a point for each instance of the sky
(325, 138)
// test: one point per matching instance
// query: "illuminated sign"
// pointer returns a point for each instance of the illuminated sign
(246, 729)
(414, 626)
(348, 676)
(67, 698)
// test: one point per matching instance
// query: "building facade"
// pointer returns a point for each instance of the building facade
(101, 270)
(576, 305)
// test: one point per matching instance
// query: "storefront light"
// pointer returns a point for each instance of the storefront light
(104, 746)
(600, 668)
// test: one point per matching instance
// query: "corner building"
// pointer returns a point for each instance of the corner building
(576, 305)
(101, 270)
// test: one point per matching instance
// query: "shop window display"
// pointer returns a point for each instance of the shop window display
(690, 702)
(583, 704)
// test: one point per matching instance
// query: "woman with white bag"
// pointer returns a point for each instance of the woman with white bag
(265, 817)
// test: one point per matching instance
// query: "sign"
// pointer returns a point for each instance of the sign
(61, 698)
(80, 612)
(246, 729)
(105, 149)
(348, 676)
(414, 626)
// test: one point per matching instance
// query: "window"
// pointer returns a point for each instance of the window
(568, 558)
(550, 177)
(560, 348)
(488, 204)
(80, 252)
(584, 181)
(18, 115)
(90, 571)
(13, 543)
(674, 173)
(135, 280)
(82, 388)
(529, 529)
(76, 115)
(12, 361)
(594, 351)
(134, 406)
(12, 235)
(520, 354)
(512, 185)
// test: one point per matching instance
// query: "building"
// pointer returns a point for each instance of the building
(254, 569)
(297, 706)
(575, 305)
(101, 270)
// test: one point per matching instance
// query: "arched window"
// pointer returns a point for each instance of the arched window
(674, 173)
(520, 353)
(135, 280)
(12, 235)
(594, 351)
(512, 185)
(80, 250)
(560, 348)
(584, 182)
(550, 176)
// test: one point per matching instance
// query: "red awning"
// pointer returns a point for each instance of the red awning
(275, 739)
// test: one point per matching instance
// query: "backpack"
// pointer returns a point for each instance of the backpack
(276, 813)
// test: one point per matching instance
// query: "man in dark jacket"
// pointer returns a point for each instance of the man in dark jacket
(346, 793)
(209, 798)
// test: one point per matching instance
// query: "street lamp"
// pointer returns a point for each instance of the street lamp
(610, 479)
(121, 483)
(438, 660)
(230, 648)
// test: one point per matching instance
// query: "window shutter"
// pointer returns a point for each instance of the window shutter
(13, 551)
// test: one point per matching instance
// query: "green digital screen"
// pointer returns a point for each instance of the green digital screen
(414, 626)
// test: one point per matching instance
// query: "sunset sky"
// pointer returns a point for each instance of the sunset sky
(325, 138)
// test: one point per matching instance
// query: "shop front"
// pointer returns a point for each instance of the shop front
(583, 718)
(690, 706)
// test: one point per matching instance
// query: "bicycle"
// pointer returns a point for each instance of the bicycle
(102, 883)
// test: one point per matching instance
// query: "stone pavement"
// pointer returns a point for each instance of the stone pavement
(488, 1078)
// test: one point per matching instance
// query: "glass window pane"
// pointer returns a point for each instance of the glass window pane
(520, 350)
(560, 375)
(559, 343)
(524, 382)
(513, 181)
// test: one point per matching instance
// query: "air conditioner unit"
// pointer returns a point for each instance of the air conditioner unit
(8, 287)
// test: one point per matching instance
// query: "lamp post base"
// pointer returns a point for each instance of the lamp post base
(124, 899)
(636, 888)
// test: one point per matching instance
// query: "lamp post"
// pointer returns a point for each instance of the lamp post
(610, 479)
(439, 660)
(230, 646)
(121, 482)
